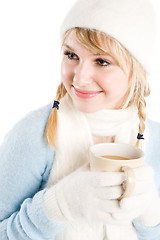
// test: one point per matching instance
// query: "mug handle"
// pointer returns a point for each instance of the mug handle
(129, 183)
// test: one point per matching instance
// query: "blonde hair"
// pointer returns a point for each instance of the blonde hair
(138, 85)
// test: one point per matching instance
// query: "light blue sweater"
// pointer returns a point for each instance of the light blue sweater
(25, 164)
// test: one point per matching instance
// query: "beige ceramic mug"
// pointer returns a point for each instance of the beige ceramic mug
(117, 157)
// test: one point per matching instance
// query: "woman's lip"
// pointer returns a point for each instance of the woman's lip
(85, 93)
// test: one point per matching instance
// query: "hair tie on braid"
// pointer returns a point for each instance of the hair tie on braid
(56, 104)
(140, 136)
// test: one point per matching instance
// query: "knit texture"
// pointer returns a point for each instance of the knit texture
(130, 22)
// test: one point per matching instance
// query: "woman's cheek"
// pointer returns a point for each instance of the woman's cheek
(67, 75)
(65, 69)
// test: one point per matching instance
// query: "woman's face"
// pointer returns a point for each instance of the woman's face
(93, 81)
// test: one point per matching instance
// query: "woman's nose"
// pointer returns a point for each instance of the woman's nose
(83, 74)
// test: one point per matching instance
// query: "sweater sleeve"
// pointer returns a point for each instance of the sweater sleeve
(25, 164)
(147, 233)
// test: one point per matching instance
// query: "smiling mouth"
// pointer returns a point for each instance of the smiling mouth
(85, 93)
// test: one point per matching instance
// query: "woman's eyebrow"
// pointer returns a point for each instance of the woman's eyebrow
(66, 45)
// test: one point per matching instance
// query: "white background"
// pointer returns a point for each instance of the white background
(30, 58)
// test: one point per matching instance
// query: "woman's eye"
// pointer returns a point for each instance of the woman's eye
(71, 55)
(102, 62)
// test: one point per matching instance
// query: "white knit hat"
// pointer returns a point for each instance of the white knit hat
(131, 22)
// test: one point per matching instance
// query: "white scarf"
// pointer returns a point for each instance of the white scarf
(122, 124)
(75, 136)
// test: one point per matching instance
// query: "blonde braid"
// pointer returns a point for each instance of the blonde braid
(139, 89)
(141, 105)
(144, 91)
(52, 123)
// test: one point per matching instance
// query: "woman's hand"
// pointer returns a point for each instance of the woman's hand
(144, 204)
(85, 195)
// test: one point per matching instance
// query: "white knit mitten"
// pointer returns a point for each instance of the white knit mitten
(144, 204)
(85, 195)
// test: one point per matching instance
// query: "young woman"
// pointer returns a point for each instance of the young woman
(47, 190)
